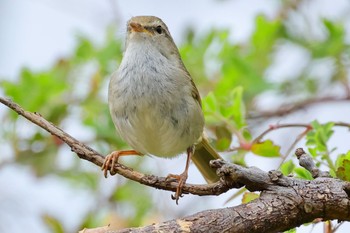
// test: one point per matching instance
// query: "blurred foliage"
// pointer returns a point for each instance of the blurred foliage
(54, 224)
(249, 196)
(231, 76)
(343, 166)
(291, 231)
(266, 149)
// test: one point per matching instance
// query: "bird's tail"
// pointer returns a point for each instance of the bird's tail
(201, 158)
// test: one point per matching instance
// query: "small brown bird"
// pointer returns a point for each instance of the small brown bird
(154, 102)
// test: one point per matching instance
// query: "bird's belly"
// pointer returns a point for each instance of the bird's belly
(151, 133)
(155, 113)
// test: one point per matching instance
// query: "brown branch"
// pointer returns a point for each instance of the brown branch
(307, 127)
(89, 154)
(284, 202)
(290, 108)
(280, 126)
(306, 161)
(246, 145)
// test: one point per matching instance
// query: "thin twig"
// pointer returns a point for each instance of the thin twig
(299, 137)
(287, 109)
(278, 126)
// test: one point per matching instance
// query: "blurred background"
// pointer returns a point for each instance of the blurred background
(252, 60)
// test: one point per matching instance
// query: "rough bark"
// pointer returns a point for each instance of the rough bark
(284, 203)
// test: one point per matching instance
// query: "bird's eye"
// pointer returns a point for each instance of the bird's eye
(159, 29)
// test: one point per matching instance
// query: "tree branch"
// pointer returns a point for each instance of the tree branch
(87, 153)
(284, 202)
(290, 108)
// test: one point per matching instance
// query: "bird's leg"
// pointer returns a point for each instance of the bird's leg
(112, 159)
(181, 179)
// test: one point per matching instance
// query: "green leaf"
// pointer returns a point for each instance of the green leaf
(237, 108)
(228, 109)
(33, 89)
(53, 223)
(85, 49)
(222, 144)
(224, 138)
(110, 54)
(303, 173)
(249, 196)
(93, 218)
(313, 151)
(210, 103)
(343, 172)
(317, 138)
(341, 158)
(239, 157)
(211, 109)
(294, 230)
(287, 167)
(266, 149)
(334, 43)
(266, 33)
(196, 52)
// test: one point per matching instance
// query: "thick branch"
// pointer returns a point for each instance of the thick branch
(285, 203)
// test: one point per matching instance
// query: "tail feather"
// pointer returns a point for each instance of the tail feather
(201, 158)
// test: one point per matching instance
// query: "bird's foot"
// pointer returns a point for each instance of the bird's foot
(112, 159)
(181, 179)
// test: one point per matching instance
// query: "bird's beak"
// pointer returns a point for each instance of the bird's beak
(136, 27)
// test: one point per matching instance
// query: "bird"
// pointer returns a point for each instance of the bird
(155, 104)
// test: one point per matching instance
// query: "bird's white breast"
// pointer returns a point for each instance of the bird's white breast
(151, 103)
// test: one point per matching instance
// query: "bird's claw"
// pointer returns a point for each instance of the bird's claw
(109, 163)
(181, 179)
